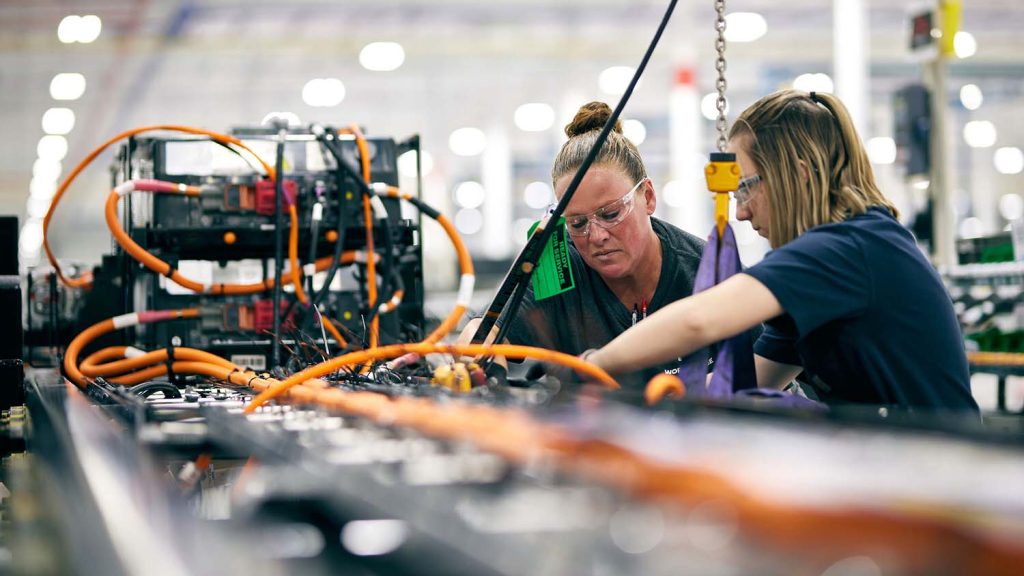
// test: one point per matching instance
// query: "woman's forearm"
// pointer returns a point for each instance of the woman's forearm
(689, 324)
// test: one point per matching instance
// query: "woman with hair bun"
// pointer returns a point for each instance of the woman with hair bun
(624, 260)
(846, 294)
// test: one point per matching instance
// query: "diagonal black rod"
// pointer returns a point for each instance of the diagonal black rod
(509, 296)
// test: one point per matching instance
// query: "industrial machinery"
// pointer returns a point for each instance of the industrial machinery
(229, 234)
(250, 386)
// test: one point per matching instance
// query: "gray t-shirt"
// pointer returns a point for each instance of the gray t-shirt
(590, 315)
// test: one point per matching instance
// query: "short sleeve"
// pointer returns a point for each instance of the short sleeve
(817, 278)
(778, 344)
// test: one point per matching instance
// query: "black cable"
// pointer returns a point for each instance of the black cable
(278, 242)
(364, 190)
(392, 281)
(363, 286)
(314, 231)
(339, 246)
(147, 388)
(397, 282)
(509, 296)
(368, 312)
(169, 362)
(255, 167)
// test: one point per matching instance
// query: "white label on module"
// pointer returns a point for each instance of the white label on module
(255, 361)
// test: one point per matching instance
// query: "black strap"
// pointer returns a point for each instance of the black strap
(171, 376)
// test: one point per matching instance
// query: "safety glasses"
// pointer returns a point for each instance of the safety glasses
(606, 216)
(744, 190)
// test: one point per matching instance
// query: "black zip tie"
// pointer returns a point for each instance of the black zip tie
(171, 376)
(171, 269)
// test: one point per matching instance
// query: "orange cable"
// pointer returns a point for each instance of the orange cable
(329, 326)
(508, 350)
(163, 268)
(465, 266)
(86, 280)
(102, 357)
(371, 265)
(109, 325)
(93, 367)
(662, 385)
(293, 254)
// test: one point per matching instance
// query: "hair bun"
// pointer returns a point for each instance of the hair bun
(591, 116)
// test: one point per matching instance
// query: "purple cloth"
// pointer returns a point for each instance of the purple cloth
(734, 363)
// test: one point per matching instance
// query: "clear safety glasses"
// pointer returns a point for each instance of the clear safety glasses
(744, 190)
(606, 216)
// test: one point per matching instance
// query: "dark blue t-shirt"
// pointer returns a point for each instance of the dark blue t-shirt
(866, 316)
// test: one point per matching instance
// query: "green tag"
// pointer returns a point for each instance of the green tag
(554, 270)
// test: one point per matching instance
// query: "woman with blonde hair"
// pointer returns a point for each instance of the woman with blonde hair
(846, 294)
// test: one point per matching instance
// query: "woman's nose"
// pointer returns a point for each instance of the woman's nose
(596, 233)
(743, 212)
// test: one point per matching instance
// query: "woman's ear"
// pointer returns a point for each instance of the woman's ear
(650, 198)
(805, 170)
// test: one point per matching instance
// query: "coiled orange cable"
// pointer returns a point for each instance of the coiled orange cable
(85, 280)
(109, 325)
(163, 268)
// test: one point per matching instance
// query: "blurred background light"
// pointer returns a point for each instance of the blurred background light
(534, 117)
(1008, 160)
(674, 193)
(58, 121)
(709, 106)
(469, 221)
(971, 96)
(538, 195)
(52, 147)
(470, 194)
(614, 80)
(46, 169)
(817, 82)
(323, 92)
(635, 131)
(67, 86)
(882, 150)
(407, 163)
(467, 141)
(382, 56)
(67, 30)
(1011, 206)
(964, 44)
(980, 134)
(744, 26)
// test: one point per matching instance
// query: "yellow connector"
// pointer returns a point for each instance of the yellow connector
(454, 377)
(723, 176)
(722, 172)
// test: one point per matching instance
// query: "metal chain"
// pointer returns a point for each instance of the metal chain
(720, 84)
